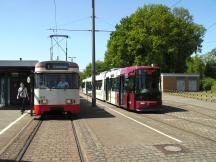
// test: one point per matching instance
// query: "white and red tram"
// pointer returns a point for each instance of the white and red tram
(56, 87)
(136, 88)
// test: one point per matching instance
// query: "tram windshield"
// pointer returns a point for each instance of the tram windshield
(57, 81)
(148, 80)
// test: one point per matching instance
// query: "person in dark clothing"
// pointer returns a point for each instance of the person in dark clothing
(22, 96)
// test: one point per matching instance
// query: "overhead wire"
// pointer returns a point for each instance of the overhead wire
(83, 30)
(73, 21)
(176, 3)
(210, 26)
(103, 20)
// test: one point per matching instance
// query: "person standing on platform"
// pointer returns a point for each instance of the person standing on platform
(22, 96)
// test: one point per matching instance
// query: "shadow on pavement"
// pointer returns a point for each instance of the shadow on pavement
(164, 109)
(87, 111)
(13, 108)
(5, 160)
(170, 109)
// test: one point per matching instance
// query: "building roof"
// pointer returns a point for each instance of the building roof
(18, 63)
(180, 74)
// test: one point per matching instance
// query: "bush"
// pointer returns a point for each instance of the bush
(207, 83)
(213, 88)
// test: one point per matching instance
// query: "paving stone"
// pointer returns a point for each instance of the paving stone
(199, 149)
(53, 142)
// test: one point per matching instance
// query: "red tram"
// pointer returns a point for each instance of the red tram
(136, 88)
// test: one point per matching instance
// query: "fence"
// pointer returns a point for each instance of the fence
(204, 95)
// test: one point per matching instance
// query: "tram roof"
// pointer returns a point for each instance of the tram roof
(130, 68)
(43, 63)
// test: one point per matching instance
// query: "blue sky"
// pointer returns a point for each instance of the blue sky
(24, 25)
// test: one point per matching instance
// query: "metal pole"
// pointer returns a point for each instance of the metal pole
(32, 91)
(93, 55)
(51, 50)
(66, 50)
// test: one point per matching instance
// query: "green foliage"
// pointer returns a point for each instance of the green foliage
(210, 56)
(213, 88)
(195, 65)
(155, 34)
(210, 61)
(100, 67)
(207, 83)
(210, 70)
(82, 76)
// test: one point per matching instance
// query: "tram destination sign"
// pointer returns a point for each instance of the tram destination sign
(57, 66)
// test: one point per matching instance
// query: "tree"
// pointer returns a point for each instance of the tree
(210, 60)
(209, 56)
(155, 34)
(100, 67)
(196, 65)
(210, 70)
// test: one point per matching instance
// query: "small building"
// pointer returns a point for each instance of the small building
(180, 82)
(12, 72)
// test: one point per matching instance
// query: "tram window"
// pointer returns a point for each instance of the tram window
(83, 85)
(147, 82)
(129, 83)
(88, 86)
(114, 85)
(57, 81)
(98, 84)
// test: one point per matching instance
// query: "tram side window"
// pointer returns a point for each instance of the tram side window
(88, 86)
(83, 85)
(114, 85)
(129, 83)
(98, 84)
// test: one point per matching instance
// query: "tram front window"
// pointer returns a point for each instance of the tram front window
(57, 81)
(148, 84)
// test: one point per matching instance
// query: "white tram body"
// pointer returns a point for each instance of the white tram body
(87, 86)
(111, 87)
(105, 85)
(100, 86)
(56, 87)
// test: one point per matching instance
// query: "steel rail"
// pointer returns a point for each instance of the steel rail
(82, 159)
(192, 108)
(28, 142)
(178, 128)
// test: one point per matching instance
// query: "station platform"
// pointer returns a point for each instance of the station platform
(11, 123)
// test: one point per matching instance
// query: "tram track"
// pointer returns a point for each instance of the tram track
(190, 107)
(178, 128)
(82, 159)
(188, 120)
(170, 124)
(29, 144)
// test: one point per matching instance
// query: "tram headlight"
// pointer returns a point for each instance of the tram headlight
(70, 101)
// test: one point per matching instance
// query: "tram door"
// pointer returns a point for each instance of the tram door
(122, 90)
(107, 89)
